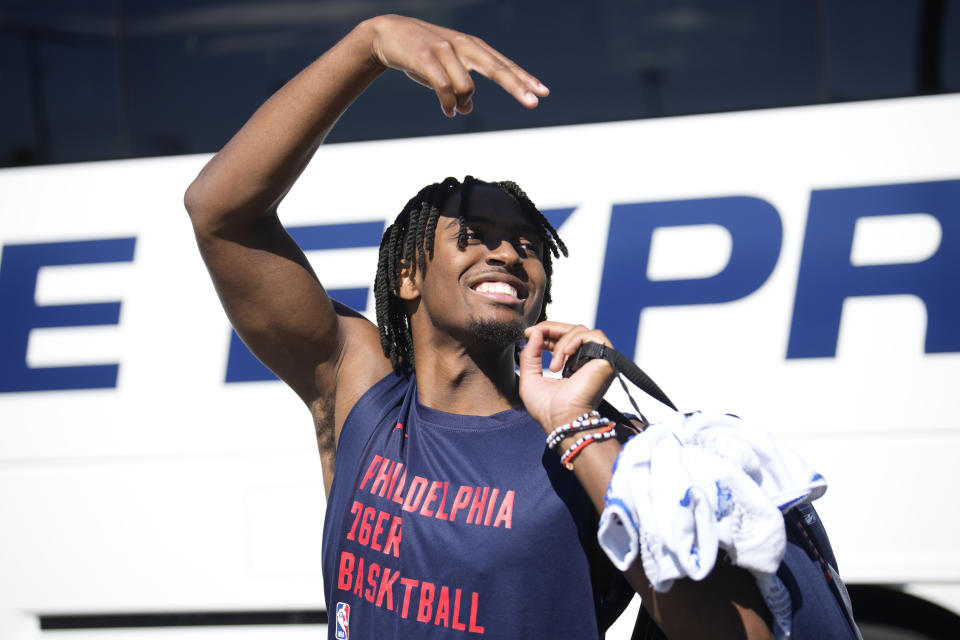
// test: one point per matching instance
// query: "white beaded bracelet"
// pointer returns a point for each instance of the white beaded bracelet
(589, 420)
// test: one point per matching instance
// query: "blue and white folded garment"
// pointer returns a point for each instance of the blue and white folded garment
(694, 484)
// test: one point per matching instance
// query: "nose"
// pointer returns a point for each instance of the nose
(504, 253)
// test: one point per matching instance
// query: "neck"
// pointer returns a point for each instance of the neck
(479, 381)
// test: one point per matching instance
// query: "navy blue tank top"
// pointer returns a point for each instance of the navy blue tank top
(453, 526)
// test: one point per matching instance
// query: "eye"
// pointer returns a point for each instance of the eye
(473, 235)
(530, 246)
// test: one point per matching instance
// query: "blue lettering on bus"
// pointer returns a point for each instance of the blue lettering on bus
(625, 290)
(19, 267)
(827, 277)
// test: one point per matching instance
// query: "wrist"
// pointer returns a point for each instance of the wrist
(567, 416)
(363, 39)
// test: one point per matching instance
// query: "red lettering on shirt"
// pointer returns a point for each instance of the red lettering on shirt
(356, 509)
(393, 477)
(378, 530)
(505, 514)
(374, 583)
(474, 604)
(493, 501)
(393, 538)
(358, 583)
(425, 610)
(443, 501)
(408, 585)
(461, 500)
(370, 471)
(373, 574)
(383, 478)
(363, 537)
(345, 573)
(398, 494)
(415, 494)
(386, 478)
(479, 502)
(386, 587)
(430, 499)
(443, 607)
(459, 626)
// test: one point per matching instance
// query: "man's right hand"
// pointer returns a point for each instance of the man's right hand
(442, 59)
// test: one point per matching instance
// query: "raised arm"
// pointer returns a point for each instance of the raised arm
(726, 604)
(327, 354)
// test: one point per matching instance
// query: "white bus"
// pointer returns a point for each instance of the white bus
(798, 266)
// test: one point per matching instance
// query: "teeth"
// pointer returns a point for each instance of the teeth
(496, 287)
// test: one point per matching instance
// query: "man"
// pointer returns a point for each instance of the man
(446, 514)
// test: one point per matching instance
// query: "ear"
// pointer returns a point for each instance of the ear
(409, 287)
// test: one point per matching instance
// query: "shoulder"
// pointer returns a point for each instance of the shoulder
(360, 364)
(388, 392)
(372, 403)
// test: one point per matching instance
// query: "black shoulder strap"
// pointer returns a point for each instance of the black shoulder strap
(621, 364)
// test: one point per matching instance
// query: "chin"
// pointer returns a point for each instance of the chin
(498, 333)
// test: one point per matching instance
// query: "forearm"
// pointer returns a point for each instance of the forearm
(727, 603)
(252, 173)
(256, 168)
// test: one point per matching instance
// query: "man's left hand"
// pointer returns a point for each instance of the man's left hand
(553, 401)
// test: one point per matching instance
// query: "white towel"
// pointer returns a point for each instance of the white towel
(749, 527)
(631, 499)
(782, 475)
(697, 483)
(654, 507)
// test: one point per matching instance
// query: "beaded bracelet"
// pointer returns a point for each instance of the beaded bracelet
(582, 423)
(583, 442)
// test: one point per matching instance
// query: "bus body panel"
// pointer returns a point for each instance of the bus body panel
(796, 266)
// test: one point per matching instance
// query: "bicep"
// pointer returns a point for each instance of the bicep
(276, 303)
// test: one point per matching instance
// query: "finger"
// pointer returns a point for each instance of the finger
(467, 46)
(550, 333)
(442, 85)
(573, 340)
(562, 339)
(532, 82)
(551, 329)
(567, 345)
(565, 339)
(436, 65)
(511, 77)
(460, 83)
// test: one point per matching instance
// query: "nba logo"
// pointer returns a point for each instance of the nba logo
(343, 621)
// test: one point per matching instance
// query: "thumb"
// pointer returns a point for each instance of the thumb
(531, 363)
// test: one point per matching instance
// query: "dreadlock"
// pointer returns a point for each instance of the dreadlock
(410, 240)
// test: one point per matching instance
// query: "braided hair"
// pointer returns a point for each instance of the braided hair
(410, 239)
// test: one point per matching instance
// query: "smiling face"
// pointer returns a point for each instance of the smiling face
(488, 292)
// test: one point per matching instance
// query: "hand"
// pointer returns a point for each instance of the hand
(552, 401)
(442, 59)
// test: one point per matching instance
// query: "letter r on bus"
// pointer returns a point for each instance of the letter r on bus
(828, 276)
